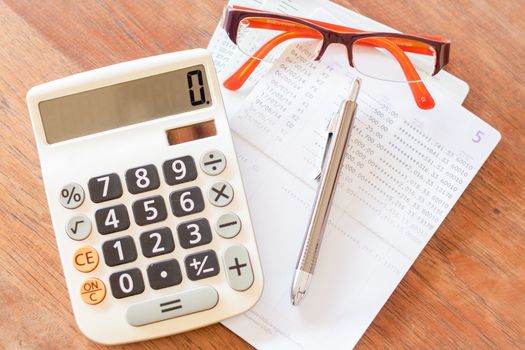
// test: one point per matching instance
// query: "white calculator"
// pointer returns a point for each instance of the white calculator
(146, 197)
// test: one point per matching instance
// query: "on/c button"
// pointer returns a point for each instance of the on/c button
(85, 259)
(93, 291)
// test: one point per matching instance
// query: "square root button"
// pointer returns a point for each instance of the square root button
(171, 306)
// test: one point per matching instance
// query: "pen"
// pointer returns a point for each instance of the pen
(337, 141)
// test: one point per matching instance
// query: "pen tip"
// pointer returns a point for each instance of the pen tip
(296, 298)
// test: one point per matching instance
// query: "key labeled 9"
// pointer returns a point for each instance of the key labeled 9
(179, 170)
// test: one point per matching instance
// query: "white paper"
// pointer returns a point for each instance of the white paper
(404, 170)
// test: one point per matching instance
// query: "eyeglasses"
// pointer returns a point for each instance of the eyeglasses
(386, 56)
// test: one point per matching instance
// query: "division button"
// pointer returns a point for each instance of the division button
(78, 227)
(93, 291)
(164, 274)
(171, 306)
(228, 225)
(220, 194)
(71, 195)
(85, 259)
(238, 267)
(213, 162)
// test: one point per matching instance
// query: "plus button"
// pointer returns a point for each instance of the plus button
(237, 266)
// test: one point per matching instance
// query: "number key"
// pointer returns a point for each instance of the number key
(112, 219)
(104, 188)
(119, 251)
(157, 242)
(194, 233)
(179, 170)
(186, 201)
(149, 210)
(142, 179)
(126, 283)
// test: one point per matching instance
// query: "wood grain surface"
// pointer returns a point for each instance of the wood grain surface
(467, 288)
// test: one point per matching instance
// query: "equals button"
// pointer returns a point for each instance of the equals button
(171, 306)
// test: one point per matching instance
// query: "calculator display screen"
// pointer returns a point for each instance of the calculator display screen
(124, 104)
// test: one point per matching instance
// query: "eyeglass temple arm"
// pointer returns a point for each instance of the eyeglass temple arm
(421, 95)
(239, 77)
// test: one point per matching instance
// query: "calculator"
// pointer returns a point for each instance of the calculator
(146, 197)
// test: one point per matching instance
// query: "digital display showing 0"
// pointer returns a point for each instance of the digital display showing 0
(126, 103)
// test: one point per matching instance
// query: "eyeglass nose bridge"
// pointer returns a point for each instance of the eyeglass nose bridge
(333, 38)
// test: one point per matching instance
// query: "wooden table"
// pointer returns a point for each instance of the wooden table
(466, 290)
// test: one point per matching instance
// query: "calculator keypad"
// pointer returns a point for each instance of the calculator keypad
(159, 241)
(112, 219)
(142, 179)
(104, 188)
(149, 210)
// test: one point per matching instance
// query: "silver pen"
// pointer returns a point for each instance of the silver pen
(336, 143)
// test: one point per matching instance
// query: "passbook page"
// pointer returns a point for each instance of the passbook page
(404, 170)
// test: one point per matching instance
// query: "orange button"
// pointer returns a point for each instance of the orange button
(93, 291)
(85, 259)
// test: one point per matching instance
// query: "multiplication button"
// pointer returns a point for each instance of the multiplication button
(213, 162)
(78, 227)
(228, 225)
(71, 196)
(220, 194)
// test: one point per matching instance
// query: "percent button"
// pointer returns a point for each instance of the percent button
(71, 196)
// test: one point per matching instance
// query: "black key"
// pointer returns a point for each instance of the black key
(194, 233)
(142, 179)
(126, 283)
(201, 265)
(186, 201)
(164, 274)
(157, 242)
(149, 210)
(179, 170)
(104, 188)
(119, 251)
(112, 219)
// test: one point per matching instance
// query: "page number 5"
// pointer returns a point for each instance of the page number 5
(477, 137)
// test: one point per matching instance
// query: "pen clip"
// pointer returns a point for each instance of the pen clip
(330, 133)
